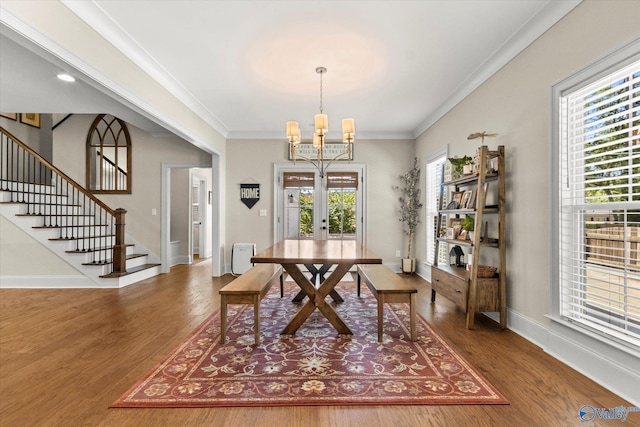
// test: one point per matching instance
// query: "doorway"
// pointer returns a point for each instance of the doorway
(309, 206)
(200, 238)
(178, 209)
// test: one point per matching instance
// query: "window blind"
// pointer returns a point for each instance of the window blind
(342, 180)
(434, 176)
(298, 179)
(600, 206)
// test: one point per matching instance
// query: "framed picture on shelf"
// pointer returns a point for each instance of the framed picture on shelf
(31, 119)
(12, 116)
(472, 199)
(456, 196)
(456, 225)
(455, 222)
(466, 198)
(450, 234)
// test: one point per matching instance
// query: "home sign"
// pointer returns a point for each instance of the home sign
(249, 194)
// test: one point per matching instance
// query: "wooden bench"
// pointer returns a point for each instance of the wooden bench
(388, 287)
(249, 288)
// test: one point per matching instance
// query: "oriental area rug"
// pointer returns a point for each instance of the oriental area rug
(316, 366)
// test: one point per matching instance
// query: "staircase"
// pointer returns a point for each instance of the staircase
(64, 217)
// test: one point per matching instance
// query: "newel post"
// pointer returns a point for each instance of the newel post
(120, 249)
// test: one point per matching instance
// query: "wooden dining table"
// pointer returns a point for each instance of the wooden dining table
(336, 258)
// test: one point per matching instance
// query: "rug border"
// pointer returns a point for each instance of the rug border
(155, 404)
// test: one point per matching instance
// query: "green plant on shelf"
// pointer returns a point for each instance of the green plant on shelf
(458, 163)
(468, 223)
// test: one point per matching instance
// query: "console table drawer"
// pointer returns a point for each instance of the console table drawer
(452, 287)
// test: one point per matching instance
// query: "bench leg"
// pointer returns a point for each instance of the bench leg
(380, 299)
(223, 318)
(358, 281)
(412, 317)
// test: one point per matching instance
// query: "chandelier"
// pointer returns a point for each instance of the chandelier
(321, 127)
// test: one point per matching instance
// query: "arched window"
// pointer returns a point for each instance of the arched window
(108, 156)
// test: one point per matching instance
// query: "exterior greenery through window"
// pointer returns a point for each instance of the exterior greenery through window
(599, 201)
(301, 204)
(306, 212)
(342, 213)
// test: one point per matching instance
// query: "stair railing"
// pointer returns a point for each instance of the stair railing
(92, 226)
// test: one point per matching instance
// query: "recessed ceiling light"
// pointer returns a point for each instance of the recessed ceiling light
(66, 78)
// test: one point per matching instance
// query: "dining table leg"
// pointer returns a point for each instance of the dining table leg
(317, 298)
(318, 272)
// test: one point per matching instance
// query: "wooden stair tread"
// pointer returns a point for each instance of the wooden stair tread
(69, 226)
(130, 271)
(103, 248)
(37, 193)
(52, 214)
(81, 238)
(42, 204)
(109, 261)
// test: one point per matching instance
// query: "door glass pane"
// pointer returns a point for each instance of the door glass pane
(298, 217)
(342, 213)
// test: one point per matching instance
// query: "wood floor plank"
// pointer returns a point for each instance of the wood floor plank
(67, 354)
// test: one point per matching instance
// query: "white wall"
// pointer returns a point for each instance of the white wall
(251, 161)
(22, 255)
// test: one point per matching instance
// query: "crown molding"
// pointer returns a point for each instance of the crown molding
(95, 17)
(546, 17)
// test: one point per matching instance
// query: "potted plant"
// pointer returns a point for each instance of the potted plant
(409, 211)
(468, 225)
(458, 164)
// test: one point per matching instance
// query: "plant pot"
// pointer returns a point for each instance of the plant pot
(408, 265)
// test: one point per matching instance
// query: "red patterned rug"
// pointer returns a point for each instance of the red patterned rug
(314, 367)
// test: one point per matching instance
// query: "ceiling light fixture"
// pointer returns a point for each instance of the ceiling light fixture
(66, 77)
(321, 127)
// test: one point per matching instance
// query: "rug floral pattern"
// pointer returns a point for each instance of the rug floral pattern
(316, 366)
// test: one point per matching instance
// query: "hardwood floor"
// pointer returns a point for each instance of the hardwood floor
(66, 355)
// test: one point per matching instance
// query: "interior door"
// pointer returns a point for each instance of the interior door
(315, 207)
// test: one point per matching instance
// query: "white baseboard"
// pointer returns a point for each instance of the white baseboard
(49, 282)
(613, 369)
(180, 259)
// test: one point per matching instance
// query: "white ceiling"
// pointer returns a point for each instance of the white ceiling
(247, 67)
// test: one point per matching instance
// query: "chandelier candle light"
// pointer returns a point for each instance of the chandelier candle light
(321, 127)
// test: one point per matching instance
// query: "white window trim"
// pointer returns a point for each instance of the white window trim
(605, 360)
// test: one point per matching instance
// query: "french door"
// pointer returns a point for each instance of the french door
(313, 207)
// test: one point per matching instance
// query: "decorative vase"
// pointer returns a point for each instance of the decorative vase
(408, 265)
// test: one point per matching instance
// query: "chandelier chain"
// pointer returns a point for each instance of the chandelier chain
(321, 72)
